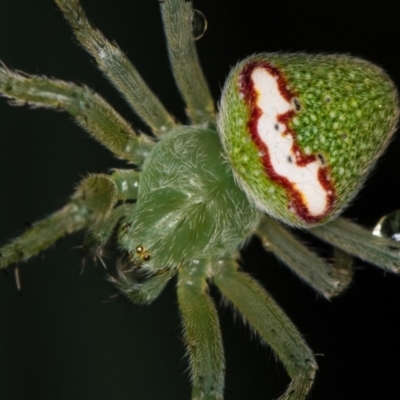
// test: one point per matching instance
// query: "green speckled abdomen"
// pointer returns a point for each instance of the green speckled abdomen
(302, 131)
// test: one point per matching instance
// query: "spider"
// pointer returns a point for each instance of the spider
(208, 387)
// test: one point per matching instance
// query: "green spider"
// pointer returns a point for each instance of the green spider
(185, 210)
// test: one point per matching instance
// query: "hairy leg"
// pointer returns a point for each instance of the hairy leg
(90, 205)
(118, 69)
(360, 242)
(271, 324)
(88, 109)
(328, 280)
(202, 332)
(177, 17)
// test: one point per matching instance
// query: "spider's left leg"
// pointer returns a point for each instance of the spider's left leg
(88, 109)
(177, 17)
(272, 325)
(360, 242)
(328, 280)
(202, 332)
(89, 206)
(118, 69)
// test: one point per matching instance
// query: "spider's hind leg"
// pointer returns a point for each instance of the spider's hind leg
(117, 68)
(177, 16)
(88, 109)
(328, 280)
(360, 242)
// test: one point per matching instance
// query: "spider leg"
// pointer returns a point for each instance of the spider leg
(127, 182)
(328, 280)
(202, 332)
(177, 17)
(360, 242)
(91, 203)
(88, 109)
(118, 69)
(272, 325)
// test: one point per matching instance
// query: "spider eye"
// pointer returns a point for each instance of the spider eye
(145, 256)
(285, 140)
(142, 253)
(139, 250)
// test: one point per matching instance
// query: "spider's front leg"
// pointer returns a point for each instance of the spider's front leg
(271, 324)
(91, 203)
(92, 207)
(202, 332)
(201, 327)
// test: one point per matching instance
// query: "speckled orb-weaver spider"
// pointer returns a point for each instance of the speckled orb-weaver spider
(184, 211)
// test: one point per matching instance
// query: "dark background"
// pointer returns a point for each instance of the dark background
(61, 340)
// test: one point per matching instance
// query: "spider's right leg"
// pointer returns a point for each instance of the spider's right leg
(90, 207)
(327, 279)
(117, 68)
(88, 109)
(360, 242)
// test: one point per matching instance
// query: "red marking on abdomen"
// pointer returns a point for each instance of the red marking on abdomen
(302, 159)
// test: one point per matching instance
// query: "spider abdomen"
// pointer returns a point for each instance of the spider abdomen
(303, 131)
(189, 205)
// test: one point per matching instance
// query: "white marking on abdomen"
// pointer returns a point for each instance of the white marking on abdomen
(280, 143)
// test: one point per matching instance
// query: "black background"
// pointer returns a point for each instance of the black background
(61, 340)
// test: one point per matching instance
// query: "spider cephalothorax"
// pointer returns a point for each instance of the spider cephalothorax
(293, 141)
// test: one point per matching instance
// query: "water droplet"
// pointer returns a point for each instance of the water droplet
(199, 24)
(389, 226)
